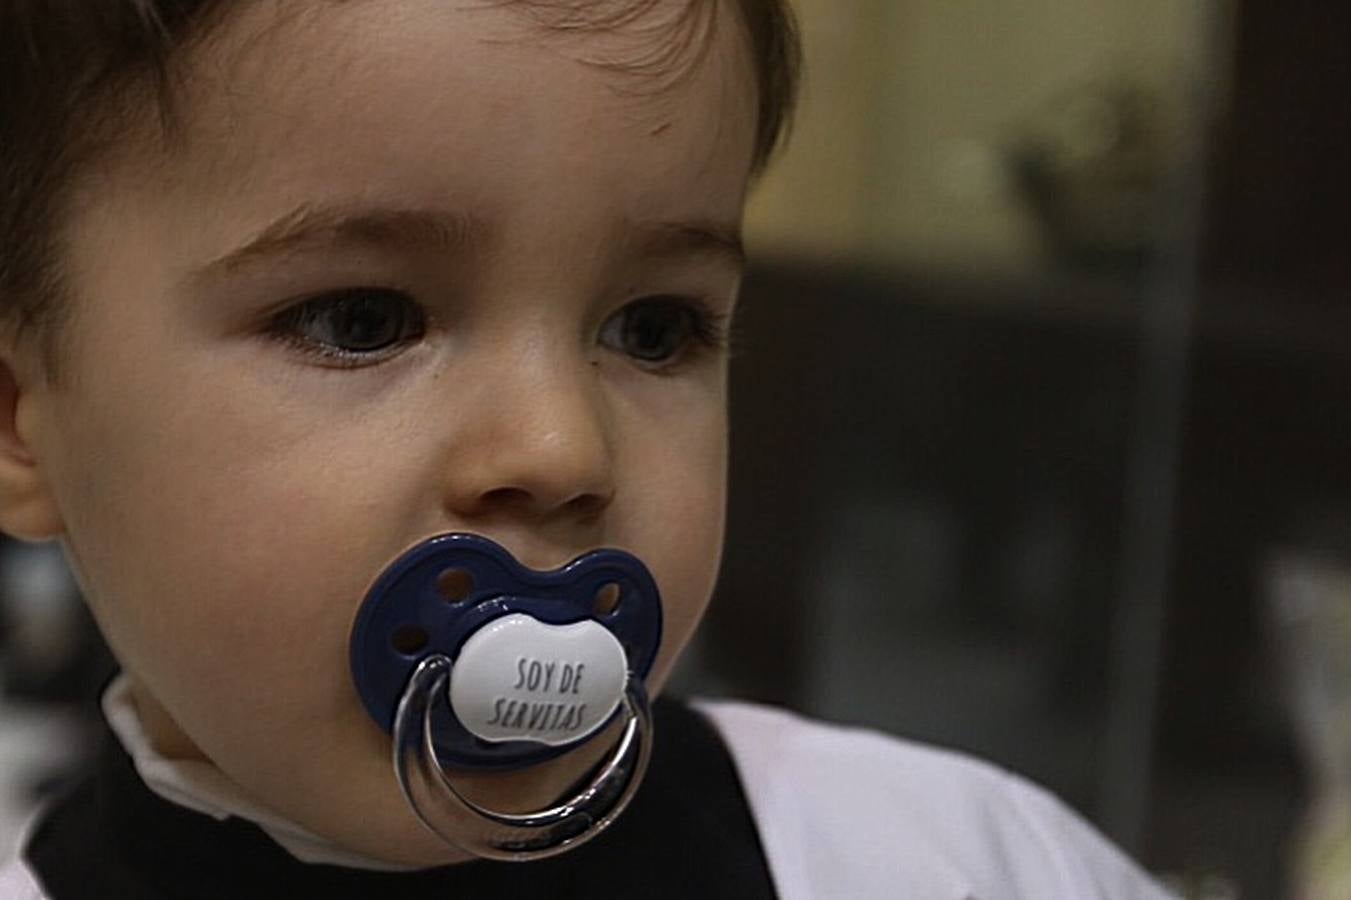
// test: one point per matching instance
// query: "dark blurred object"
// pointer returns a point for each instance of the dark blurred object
(925, 532)
(50, 649)
(1281, 173)
(1089, 169)
(52, 664)
(1310, 591)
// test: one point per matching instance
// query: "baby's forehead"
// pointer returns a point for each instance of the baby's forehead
(476, 111)
(645, 51)
(578, 76)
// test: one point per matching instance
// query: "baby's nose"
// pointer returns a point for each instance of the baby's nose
(542, 448)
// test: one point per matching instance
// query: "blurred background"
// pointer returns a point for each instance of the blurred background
(1040, 426)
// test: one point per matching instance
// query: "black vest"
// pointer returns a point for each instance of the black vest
(687, 834)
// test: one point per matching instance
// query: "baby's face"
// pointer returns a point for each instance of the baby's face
(408, 268)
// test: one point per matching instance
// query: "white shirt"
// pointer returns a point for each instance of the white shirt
(842, 813)
(852, 813)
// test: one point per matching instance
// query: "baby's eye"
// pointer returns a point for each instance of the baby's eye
(657, 330)
(354, 325)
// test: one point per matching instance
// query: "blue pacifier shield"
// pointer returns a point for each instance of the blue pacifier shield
(540, 657)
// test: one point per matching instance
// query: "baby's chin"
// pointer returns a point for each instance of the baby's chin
(349, 796)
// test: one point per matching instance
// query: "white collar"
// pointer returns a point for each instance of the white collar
(200, 786)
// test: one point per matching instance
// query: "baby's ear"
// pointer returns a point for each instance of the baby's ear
(28, 510)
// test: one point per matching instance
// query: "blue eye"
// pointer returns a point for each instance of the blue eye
(354, 325)
(658, 330)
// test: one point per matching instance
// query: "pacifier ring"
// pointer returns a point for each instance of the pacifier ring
(497, 835)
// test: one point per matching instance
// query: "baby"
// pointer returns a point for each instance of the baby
(291, 287)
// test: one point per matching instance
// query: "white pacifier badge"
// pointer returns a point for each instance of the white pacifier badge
(517, 678)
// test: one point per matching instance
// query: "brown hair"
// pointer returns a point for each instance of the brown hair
(70, 71)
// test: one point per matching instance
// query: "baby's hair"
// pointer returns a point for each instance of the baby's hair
(74, 74)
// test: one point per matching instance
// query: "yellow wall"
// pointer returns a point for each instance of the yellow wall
(896, 151)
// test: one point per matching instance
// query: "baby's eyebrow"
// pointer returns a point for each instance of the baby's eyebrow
(316, 226)
(308, 226)
(693, 238)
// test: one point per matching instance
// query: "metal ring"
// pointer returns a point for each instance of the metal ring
(511, 836)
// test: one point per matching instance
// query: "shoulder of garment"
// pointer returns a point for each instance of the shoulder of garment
(17, 882)
(848, 812)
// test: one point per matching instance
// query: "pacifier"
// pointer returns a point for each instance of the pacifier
(472, 661)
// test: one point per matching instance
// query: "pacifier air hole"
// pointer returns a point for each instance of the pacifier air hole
(607, 599)
(455, 585)
(409, 639)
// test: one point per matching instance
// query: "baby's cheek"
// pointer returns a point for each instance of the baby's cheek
(685, 563)
(234, 610)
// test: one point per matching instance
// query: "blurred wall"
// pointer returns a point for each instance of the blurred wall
(896, 153)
